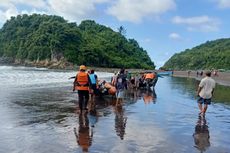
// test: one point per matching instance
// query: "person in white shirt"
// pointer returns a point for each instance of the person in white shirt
(205, 92)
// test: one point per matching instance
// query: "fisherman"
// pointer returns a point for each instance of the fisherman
(82, 85)
(132, 82)
(205, 92)
(94, 83)
(149, 77)
(106, 88)
(114, 78)
(141, 81)
(121, 83)
(136, 77)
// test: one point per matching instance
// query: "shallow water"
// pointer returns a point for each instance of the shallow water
(38, 114)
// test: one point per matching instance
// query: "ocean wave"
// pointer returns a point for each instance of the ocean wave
(30, 76)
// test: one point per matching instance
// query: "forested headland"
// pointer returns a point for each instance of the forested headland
(47, 40)
(210, 55)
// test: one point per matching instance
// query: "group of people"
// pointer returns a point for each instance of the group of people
(138, 80)
(84, 83)
(87, 83)
(200, 73)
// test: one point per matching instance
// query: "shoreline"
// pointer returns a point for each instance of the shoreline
(74, 67)
(223, 78)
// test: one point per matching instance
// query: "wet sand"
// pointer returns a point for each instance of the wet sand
(223, 78)
(39, 116)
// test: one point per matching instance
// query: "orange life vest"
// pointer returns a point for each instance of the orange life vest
(82, 81)
(150, 76)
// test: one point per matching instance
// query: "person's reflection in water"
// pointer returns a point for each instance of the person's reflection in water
(150, 96)
(201, 135)
(120, 121)
(84, 135)
(93, 115)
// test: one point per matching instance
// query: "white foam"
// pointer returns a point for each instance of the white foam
(31, 76)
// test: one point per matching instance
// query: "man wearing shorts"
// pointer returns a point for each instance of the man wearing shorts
(205, 92)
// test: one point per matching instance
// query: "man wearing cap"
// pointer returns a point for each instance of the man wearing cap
(82, 84)
(205, 92)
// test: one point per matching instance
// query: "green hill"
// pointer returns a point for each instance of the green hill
(210, 55)
(51, 38)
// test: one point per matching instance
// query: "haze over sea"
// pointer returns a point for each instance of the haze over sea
(38, 115)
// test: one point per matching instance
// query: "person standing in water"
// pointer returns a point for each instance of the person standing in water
(205, 92)
(94, 83)
(121, 83)
(82, 84)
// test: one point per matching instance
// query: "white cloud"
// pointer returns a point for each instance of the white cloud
(198, 23)
(136, 10)
(33, 12)
(2, 16)
(7, 10)
(10, 8)
(223, 3)
(12, 11)
(33, 3)
(75, 10)
(4, 4)
(174, 36)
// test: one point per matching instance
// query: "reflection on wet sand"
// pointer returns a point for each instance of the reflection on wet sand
(120, 118)
(41, 114)
(93, 116)
(100, 107)
(201, 135)
(149, 96)
(120, 121)
(84, 135)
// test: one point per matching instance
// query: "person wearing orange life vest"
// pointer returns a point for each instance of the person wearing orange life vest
(150, 79)
(82, 84)
(150, 76)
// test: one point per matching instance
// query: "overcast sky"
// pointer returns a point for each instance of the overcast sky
(162, 27)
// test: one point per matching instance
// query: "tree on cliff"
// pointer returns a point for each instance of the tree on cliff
(210, 55)
(47, 37)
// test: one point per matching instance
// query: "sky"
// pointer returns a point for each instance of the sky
(161, 27)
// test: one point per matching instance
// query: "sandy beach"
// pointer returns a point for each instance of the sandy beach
(223, 78)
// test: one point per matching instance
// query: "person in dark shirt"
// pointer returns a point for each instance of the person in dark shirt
(121, 85)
